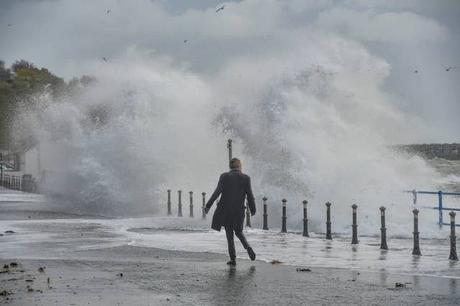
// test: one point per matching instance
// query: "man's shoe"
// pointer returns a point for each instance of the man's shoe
(251, 253)
(232, 262)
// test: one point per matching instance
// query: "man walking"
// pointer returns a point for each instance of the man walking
(234, 186)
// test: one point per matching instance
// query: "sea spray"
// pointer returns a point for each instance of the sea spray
(311, 123)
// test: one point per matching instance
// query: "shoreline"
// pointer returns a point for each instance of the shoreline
(98, 262)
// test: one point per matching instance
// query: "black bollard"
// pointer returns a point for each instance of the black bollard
(453, 242)
(203, 205)
(169, 202)
(354, 226)
(284, 218)
(191, 204)
(248, 216)
(416, 249)
(328, 221)
(305, 219)
(265, 227)
(383, 230)
(179, 204)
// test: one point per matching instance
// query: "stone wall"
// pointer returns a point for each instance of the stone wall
(449, 151)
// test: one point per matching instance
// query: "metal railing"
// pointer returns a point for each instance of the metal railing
(25, 183)
(440, 205)
(12, 182)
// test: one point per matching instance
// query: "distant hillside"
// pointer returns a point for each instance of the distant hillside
(448, 151)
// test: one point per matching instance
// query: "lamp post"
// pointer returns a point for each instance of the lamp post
(229, 147)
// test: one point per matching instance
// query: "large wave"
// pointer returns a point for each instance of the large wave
(311, 122)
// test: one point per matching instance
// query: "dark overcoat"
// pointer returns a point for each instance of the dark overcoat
(233, 187)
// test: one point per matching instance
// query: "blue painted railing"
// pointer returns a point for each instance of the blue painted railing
(440, 206)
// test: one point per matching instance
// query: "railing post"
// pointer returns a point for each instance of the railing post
(453, 238)
(284, 218)
(169, 202)
(305, 219)
(354, 226)
(265, 226)
(203, 205)
(179, 204)
(248, 216)
(191, 204)
(328, 221)
(416, 249)
(383, 230)
(440, 207)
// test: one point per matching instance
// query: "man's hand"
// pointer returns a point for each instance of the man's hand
(253, 213)
(206, 210)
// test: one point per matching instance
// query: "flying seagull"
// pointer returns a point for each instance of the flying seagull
(104, 59)
(220, 8)
(108, 11)
(185, 41)
(449, 68)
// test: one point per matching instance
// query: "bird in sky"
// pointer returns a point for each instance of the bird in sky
(104, 59)
(415, 71)
(220, 9)
(449, 68)
(108, 11)
(9, 24)
(185, 41)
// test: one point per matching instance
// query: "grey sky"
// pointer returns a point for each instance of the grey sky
(69, 37)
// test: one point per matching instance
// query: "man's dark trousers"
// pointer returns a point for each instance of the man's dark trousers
(234, 226)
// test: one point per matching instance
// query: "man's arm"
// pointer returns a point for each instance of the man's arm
(215, 194)
(250, 197)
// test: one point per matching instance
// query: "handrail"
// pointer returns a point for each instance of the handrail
(432, 192)
(440, 206)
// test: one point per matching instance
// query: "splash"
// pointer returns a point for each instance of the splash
(311, 122)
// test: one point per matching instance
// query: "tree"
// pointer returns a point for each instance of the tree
(5, 74)
(19, 87)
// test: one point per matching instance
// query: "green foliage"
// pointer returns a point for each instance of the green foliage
(19, 85)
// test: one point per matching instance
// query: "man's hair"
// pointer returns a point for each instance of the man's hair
(235, 163)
